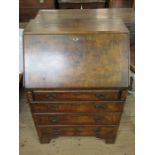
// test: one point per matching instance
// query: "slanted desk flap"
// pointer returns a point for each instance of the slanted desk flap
(76, 60)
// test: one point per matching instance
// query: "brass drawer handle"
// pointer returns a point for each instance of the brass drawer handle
(51, 96)
(54, 119)
(100, 106)
(77, 129)
(56, 131)
(100, 96)
(77, 93)
(53, 106)
(97, 130)
(98, 118)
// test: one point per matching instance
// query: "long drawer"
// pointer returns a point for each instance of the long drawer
(77, 106)
(77, 119)
(76, 95)
(103, 131)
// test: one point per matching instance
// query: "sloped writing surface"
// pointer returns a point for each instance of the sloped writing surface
(76, 61)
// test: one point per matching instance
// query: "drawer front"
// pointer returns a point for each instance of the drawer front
(103, 131)
(77, 119)
(75, 96)
(83, 106)
(94, 5)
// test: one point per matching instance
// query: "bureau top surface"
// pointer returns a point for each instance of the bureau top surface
(55, 22)
(126, 14)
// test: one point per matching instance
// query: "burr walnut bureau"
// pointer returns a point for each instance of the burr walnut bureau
(76, 72)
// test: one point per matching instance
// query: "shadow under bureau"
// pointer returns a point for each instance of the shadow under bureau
(76, 73)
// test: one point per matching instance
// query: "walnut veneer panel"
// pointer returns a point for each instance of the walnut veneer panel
(77, 106)
(98, 60)
(77, 119)
(75, 95)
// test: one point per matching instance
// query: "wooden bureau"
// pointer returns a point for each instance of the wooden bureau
(76, 72)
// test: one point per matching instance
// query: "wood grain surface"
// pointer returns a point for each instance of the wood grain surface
(98, 60)
(77, 106)
(76, 61)
(77, 119)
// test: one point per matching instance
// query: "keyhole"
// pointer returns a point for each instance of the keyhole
(75, 39)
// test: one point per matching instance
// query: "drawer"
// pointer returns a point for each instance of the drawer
(77, 119)
(103, 131)
(81, 106)
(76, 95)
